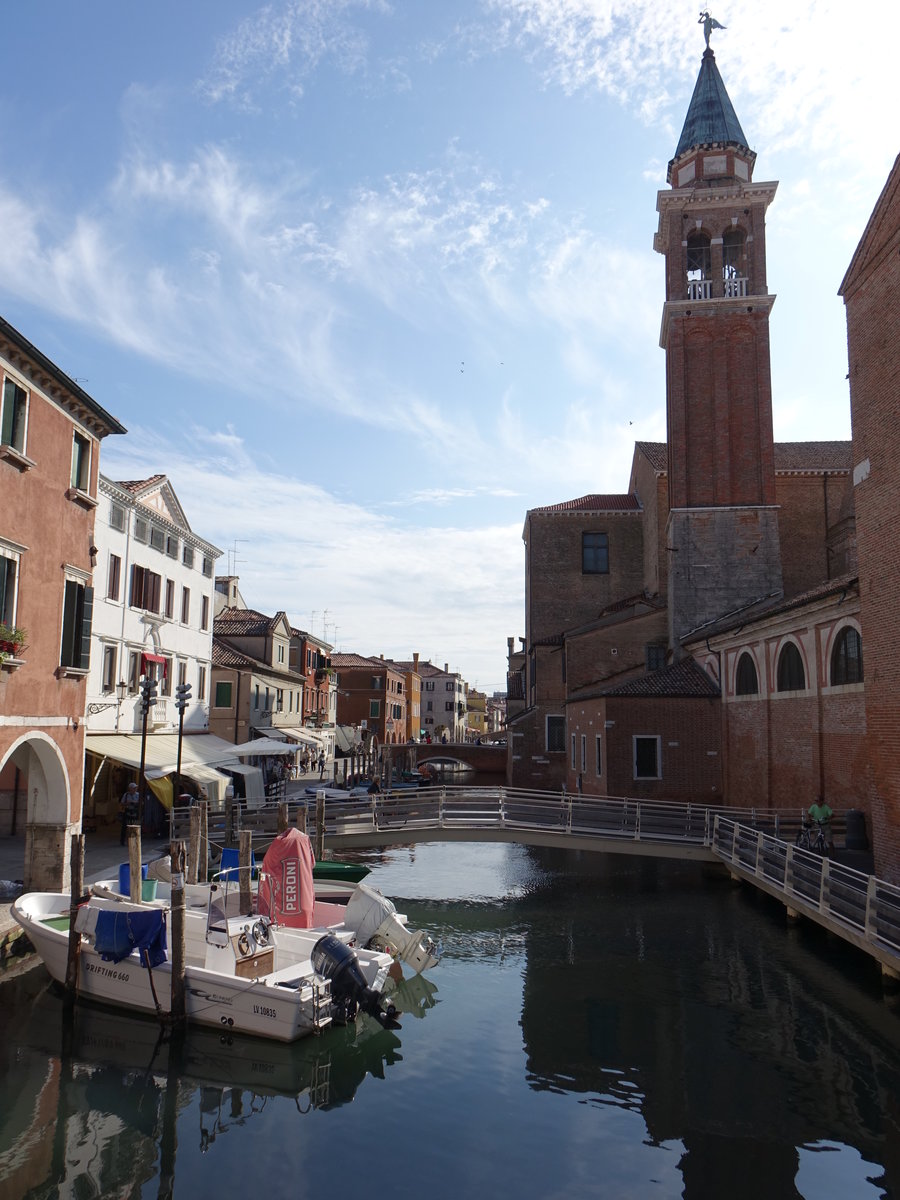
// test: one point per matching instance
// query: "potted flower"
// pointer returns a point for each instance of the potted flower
(12, 640)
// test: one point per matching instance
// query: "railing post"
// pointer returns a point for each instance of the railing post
(789, 869)
(735, 834)
(824, 888)
(872, 909)
(757, 868)
(637, 822)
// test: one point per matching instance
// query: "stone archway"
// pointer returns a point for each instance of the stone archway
(47, 822)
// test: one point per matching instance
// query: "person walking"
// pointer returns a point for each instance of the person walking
(321, 764)
(128, 810)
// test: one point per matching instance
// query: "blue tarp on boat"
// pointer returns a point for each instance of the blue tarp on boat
(118, 933)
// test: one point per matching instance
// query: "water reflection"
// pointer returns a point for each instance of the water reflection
(727, 1033)
(97, 1103)
(604, 1028)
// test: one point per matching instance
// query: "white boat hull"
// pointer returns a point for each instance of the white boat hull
(263, 1007)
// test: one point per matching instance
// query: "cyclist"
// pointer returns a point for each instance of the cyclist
(821, 812)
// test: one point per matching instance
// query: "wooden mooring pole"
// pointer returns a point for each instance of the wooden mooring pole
(193, 863)
(75, 890)
(134, 863)
(204, 841)
(245, 853)
(178, 1009)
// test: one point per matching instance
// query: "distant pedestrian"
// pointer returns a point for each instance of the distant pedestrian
(579, 785)
(321, 764)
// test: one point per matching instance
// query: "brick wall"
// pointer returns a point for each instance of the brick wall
(559, 595)
(810, 507)
(719, 409)
(690, 747)
(613, 651)
(870, 293)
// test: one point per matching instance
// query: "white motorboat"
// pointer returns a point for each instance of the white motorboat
(242, 973)
(285, 891)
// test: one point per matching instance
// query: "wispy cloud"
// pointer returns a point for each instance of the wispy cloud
(287, 43)
(390, 587)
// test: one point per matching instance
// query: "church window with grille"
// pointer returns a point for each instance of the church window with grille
(746, 681)
(846, 658)
(791, 675)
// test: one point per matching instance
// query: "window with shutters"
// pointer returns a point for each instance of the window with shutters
(13, 417)
(145, 589)
(113, 579)
(78, 605)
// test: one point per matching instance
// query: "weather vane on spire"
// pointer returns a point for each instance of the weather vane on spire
(709, 24)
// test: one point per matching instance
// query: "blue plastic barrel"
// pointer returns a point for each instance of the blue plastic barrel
(125, 877)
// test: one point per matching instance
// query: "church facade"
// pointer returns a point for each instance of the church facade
(700, 636)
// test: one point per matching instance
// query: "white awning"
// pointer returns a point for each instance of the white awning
(263, 746)
(253, 782)
(161, 750)
(306, 737)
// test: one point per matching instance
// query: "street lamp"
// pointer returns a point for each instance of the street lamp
(121, 689)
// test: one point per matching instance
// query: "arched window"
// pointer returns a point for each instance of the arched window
(746, 682)
(846, 657)
(791, 676)
(698, 261)
(734, 263)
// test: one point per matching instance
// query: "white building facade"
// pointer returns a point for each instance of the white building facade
(153, 609)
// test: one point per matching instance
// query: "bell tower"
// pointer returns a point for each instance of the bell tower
(722, 537)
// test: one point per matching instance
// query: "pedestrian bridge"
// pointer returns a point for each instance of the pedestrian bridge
(755, 846)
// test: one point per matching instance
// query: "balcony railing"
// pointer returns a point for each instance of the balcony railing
(699, 289)
(734, 287)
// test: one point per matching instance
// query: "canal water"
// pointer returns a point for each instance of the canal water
(597, 1027)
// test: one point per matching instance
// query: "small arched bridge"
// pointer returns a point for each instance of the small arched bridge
(483, 756)
(755, 846)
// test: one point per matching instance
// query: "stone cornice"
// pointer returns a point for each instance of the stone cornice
(671, 201)
(731, 306)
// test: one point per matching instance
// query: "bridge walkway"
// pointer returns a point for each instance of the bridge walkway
(754, 845)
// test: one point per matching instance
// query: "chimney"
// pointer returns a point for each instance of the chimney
(415, 660)
(446, 668)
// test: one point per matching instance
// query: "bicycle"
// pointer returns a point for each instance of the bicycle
(815, 837)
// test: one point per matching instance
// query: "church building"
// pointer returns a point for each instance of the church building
(699, 637)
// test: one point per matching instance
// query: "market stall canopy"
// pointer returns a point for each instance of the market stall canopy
(263, 746)
(201, 754)
(306, 736)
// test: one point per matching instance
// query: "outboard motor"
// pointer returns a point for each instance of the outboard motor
(378, 926)
(338, 962)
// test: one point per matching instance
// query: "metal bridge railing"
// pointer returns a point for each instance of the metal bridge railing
(850, 899)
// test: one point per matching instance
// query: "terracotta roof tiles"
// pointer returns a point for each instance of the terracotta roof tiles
(594, 503)
(685, 678)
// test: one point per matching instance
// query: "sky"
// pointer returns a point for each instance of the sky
(367, 280)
